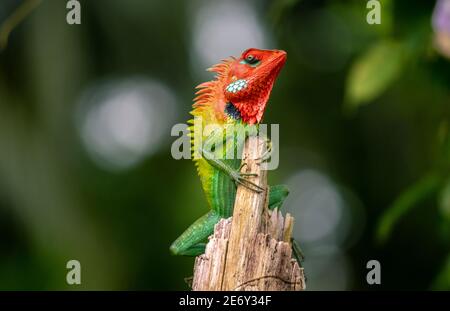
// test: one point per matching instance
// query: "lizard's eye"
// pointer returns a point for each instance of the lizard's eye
(251, 60)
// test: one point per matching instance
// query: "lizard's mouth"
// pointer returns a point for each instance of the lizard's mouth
(271, 68)
(276, 62)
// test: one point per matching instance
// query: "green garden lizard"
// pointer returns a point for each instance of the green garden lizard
(236, 97)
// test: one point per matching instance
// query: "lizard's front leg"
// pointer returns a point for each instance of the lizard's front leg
(211, 157)
(267, 152)
(235, 175)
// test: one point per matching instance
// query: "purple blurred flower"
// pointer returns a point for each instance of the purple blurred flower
(441, 16)
(441, 26)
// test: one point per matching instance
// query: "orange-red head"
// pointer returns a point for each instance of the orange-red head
(250, 80)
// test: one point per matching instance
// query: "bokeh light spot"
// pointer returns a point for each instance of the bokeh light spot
(225, 28)
(123, 121)
(317, 206)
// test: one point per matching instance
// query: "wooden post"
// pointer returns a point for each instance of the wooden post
(252, 249)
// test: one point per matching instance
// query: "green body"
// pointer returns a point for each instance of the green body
(220, 177)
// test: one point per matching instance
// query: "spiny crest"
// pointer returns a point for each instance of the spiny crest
(207, 91)
(206, 103)
(223, 67)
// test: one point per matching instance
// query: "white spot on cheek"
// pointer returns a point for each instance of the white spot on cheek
(237, 86)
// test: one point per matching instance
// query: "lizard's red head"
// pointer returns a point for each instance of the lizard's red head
(250, 81)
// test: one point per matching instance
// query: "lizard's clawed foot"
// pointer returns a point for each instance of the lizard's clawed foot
(243, 164)
(249, 174)
(266, 155)
(263, 159)
(241, 179)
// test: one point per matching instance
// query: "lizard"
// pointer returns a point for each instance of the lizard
(237, 96)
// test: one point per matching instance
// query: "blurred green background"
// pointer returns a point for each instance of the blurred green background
(86, 113)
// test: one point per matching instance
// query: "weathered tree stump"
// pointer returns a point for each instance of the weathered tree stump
(252, 249)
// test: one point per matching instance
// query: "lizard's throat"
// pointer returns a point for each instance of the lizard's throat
(248, 103)
(251, 109)
(250, 112)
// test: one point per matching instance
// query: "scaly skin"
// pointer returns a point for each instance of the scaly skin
(237, 96)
